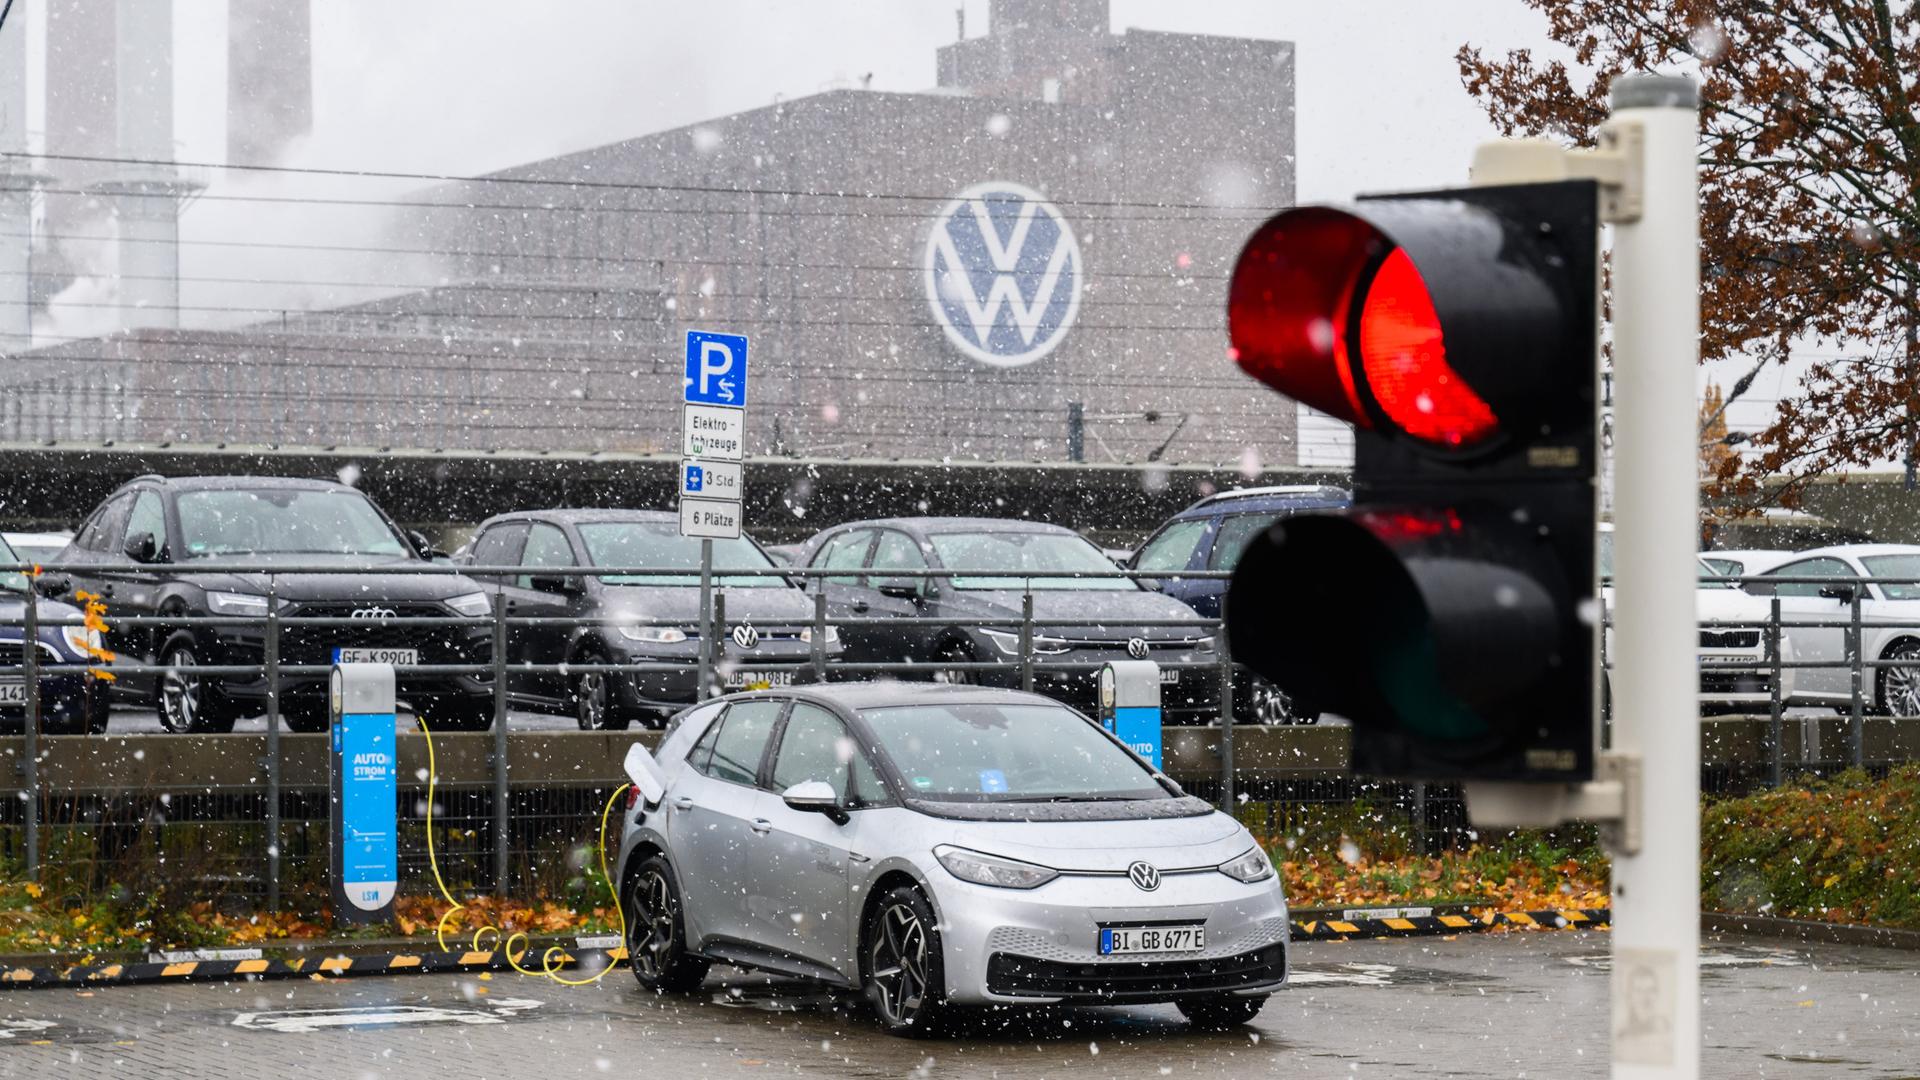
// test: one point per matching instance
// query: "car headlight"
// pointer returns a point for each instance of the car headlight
(233, 603)
(1010, 643)
(1251, 867)
(473, 604)
(832, 636)
(992, 869)
(658, 635)
(81, 640)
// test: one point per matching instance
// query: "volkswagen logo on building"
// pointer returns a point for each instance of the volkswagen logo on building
(1145, 875)
(1003, 274)
(373, 613)
(1137, 648)
(745, 636)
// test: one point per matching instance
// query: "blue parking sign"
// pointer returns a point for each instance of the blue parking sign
(716, 369)
(696, 478)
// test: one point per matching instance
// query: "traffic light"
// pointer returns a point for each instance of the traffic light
(1450, 613)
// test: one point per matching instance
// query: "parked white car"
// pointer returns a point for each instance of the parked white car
(1735, 675)
(1889, 617)
(1744, 562)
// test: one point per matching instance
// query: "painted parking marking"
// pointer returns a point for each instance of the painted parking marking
(303, 1021)
(1727, 957)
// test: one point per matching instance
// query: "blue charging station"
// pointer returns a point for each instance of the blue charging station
(1130, 705)
(363, 772)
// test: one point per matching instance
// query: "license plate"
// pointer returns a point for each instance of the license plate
(376, 656)
(1116, 940)
(13, 693)
(1169, 676)
(757, 680)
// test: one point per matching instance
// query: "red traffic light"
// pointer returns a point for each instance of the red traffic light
(1427, 318)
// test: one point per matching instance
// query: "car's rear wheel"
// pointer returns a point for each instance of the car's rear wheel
(187, 701)
(656, 933)
(1218, 1012)
(954, 676)
(1900, 686)
(595, 705)
(905, 978)
(1270, 705)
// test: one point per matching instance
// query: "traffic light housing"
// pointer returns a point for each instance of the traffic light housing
(1449, 614)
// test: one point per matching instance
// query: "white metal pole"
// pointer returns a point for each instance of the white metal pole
(1656, 325)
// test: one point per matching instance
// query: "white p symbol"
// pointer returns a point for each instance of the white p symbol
(715, 359)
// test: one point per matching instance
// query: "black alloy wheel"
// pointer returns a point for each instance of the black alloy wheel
(905, 979)
(656, 935)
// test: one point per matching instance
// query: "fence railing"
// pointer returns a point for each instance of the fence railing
(1063, 653)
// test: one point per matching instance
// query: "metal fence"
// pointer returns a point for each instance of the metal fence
(528, 835)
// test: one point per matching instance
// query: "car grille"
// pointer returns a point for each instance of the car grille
(442, 644)
(1729, 639)
(1735, 682)
(12, 656)
(1012, 975)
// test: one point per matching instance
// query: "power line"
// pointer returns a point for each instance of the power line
(609, 185)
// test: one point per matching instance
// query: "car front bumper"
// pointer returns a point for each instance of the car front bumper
(1042, 945)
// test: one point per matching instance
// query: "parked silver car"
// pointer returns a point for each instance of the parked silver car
(939, 846)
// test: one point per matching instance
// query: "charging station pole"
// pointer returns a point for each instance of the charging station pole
(363, 763)
(1656, 350)
(1130, 706)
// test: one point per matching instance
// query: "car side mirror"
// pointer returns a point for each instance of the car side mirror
(423, 545)
(1842, 593)
(898, 588)
(141, 547)
(557, 584)
(816, 797)
(52, 585)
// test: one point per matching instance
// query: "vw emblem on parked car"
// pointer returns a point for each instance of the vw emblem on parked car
(746, 636)
(1137, 648)
(373, 613)
(1145, 875)
(1003, 274)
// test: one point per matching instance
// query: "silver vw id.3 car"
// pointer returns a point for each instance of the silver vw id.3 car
(941, 846)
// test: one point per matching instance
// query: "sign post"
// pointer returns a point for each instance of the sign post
(712, 446)
(362, 774)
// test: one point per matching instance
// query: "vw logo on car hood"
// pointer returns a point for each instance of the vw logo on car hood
(746, 636)
(1137, 648)
(373, 613)
(1144, 874)
(1003, 274)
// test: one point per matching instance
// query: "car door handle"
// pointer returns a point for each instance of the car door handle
(683, 803)
(762, 826)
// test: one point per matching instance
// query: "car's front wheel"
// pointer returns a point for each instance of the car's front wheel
(905, 979)
(1900, 686)
(656, 933)
(1219, 1012)
(1270, 705)
(187, 701)
(595, 705)
(954, 676)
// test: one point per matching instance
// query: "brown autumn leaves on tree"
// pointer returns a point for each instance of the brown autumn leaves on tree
(1810, 226)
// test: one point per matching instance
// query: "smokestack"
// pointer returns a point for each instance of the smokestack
(16, 189)
(146, 197)
(269, 77)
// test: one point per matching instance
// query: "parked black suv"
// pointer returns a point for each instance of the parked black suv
(770, 632)
(138, 550)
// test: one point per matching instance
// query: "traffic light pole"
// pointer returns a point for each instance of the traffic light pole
(1656, 325)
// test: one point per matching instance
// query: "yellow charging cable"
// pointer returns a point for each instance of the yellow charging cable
(555, 958)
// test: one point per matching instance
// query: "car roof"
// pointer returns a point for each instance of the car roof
(888, 694)
(1851, 551)
(578, 515)
(1256, 500)
(241, 483)
(932, 525)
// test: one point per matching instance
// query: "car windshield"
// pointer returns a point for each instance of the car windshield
(1889, 570)
(284, 521)
(1008, 753)
(11, 580)
(658, 545)
(1706, 572)
(1027, 552)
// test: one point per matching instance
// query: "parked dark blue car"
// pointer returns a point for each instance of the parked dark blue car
(1210, 535)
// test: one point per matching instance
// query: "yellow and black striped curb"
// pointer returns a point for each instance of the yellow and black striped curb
(432, 963)
(1427, 925)
(429, 963)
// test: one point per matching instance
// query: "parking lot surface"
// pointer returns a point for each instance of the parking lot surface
(1525, 1004)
